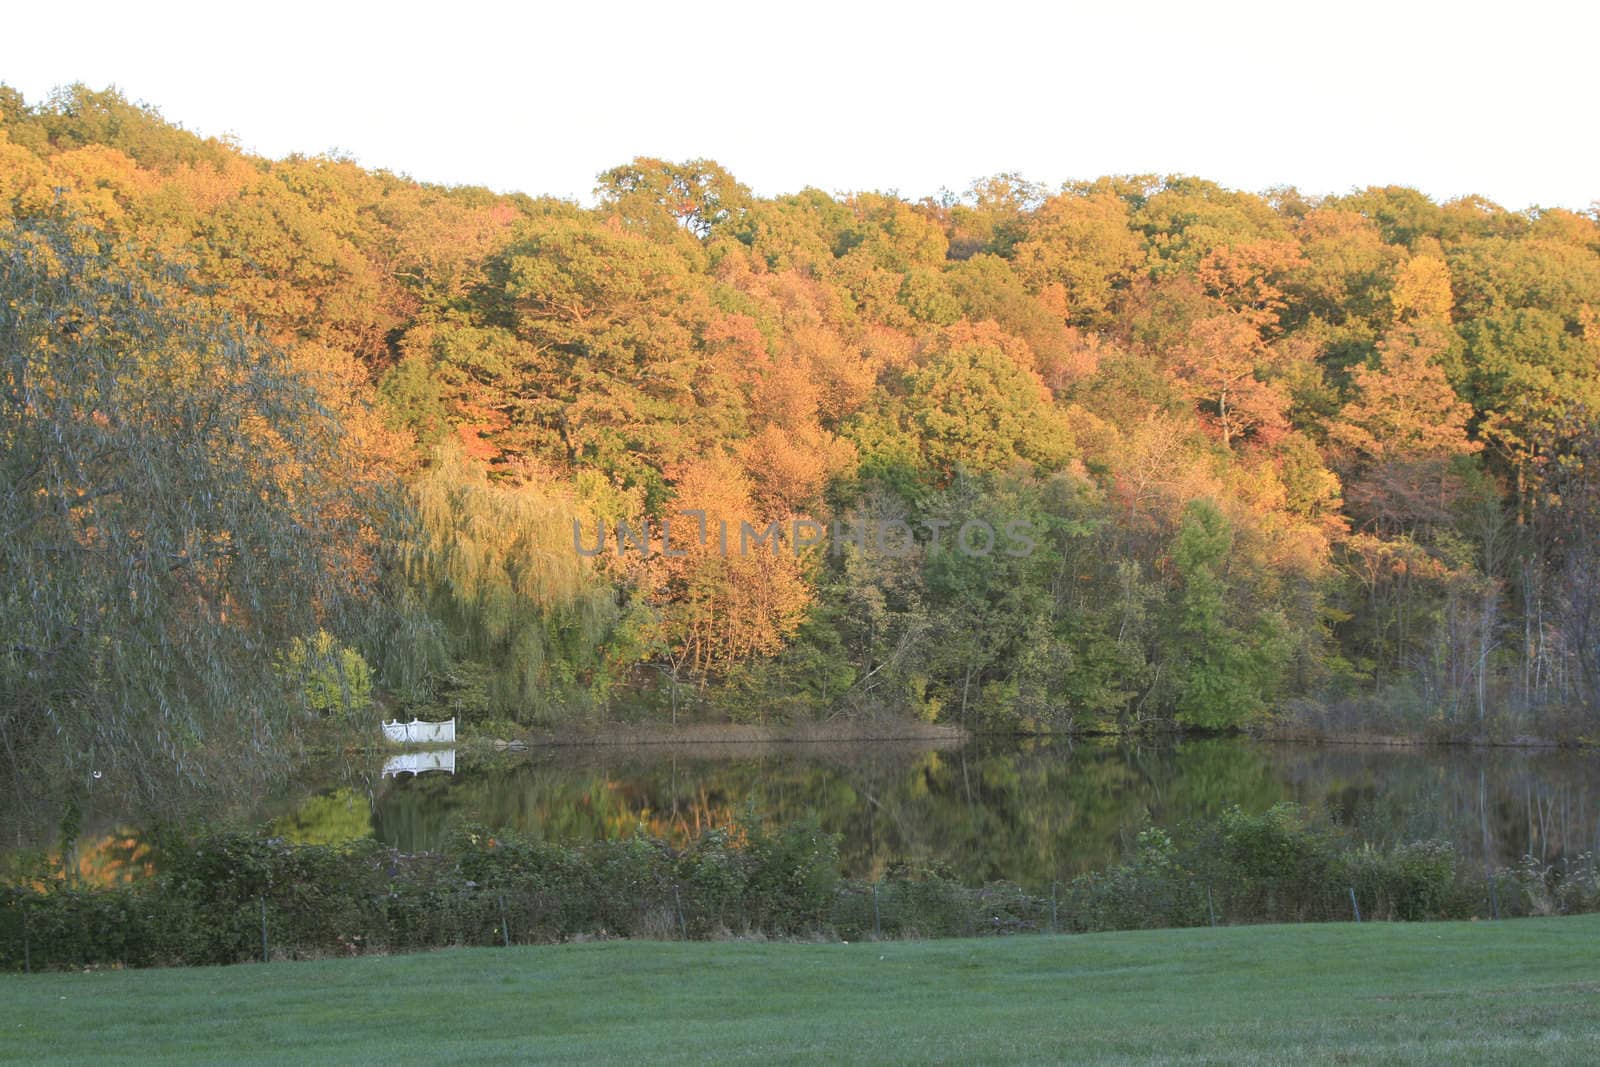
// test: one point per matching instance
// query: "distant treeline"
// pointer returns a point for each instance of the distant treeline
(290, 434)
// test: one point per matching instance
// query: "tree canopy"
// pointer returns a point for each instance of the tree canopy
(1264, 446)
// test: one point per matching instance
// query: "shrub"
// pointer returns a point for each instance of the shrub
(211, 897)
(1410, 882)
(331, 679)
(1154, 888)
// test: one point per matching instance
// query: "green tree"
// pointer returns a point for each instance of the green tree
(978, 405)
(1082, 242)
(499, 564)
(175, 507)
(331, 679)
(1225, 673)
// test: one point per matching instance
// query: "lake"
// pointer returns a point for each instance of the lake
(1029, 811)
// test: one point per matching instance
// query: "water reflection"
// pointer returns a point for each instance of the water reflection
(1031, 812)
(438, 759)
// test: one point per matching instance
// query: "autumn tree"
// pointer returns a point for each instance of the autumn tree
(1082, 242)
(727, 580)
(1404, 408)
(1405, 424)
(615, 372)
(656, 197)
(1221, 364)
(1378, 380)
(992, 215)
(791, 458)
(1186, 219)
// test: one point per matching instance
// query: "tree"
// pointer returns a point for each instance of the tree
(656, 197)
(791, 459)
(1225, 673)
(1405, 407)
(989, 289)
(992, 216)
(1566, 661)
(797, 233)
(1377, 362)
(500, 565)
(1344, 275)
(977, 404)
(725, 596)
(1422, 291)
(1185, 219)
(1404, 428)
(1082, 242)
(176, 507)
(988, 605)
(614, 363)
(1219, 364)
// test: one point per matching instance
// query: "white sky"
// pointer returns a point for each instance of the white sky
(1497, 100)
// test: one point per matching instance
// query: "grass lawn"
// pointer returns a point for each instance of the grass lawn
(1523, 991)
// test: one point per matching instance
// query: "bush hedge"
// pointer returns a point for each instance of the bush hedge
(227, 898)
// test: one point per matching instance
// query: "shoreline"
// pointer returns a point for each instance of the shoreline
(1520, 742)
(943, 735)
(633, 735)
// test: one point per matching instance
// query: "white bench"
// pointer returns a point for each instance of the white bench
(417, 732)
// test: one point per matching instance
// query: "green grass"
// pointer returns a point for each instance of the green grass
(1511, 992)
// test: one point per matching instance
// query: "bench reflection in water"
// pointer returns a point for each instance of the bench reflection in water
(438, 759)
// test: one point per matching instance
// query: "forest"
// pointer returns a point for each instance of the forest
(291, 440)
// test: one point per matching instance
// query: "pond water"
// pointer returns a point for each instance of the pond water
(1031, 811)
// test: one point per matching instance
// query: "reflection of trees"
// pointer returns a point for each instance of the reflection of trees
(412, 815)
(1049, 811)
(327, 819)
(117, 837)
(1494, 804)
(120, 856)
(1030, 811)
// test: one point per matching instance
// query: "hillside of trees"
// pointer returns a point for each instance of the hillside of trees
(1276, 450)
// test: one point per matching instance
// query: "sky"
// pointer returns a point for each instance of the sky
(1453, 99)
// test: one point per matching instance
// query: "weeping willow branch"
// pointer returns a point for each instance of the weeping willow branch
(176, 505)
(496, 562)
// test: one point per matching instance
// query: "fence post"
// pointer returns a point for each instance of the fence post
(1354, 906)
(1211, 908)
(1055, 927)
(877, 919)
(1494, 894)
(505, 926)
(683, 924)
(263, 901)
(27, 950)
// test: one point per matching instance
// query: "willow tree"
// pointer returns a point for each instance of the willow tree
(498, 563)
(174, 510)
